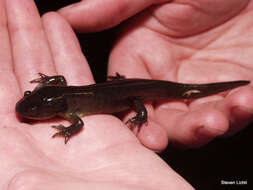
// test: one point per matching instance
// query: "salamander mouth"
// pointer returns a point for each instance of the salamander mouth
(31, 116)
(37, 117)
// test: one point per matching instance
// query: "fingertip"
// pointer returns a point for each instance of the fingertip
(214, 121)
(50, 15)
(55, 22)
(153, 137)
(75, 15)
(193, 132)
(240, 108)
(240, 104)
(241, 97)
(66, 9)
(99, 14)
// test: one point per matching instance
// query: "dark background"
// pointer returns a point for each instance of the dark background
(223, 159)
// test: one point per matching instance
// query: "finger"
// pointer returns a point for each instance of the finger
(94, 15)
(8, 84)
(238, 106)
(31, 53)
(68, 57)
(153, 136)
(192, 128)
(5, 50)
(207, 118)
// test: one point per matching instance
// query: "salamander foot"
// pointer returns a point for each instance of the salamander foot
(136, 121)
(63, 131)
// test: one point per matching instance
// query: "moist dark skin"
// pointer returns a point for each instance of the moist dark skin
(53, 98)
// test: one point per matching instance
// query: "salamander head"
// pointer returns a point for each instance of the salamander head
(40, 104)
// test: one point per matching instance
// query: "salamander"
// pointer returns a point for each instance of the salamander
(53, 98)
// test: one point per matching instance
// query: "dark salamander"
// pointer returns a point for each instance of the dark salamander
(52, 97)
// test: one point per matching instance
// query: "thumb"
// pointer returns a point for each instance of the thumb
(96, 15)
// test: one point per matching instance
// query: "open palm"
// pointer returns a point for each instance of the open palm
(106, 155)
(185, 41)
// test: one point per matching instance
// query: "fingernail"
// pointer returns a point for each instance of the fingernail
(240, 108)
(69, 6)
(208, 131)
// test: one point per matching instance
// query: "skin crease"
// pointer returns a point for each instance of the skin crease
(185, 41)
(106, 155)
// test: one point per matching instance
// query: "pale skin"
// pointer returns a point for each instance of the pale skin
(185, 41)
(106, 155)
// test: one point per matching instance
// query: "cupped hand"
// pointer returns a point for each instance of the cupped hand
(105, 155)
(184, 41)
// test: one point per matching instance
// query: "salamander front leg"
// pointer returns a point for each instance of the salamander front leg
(141, 116)
(44, 80)
(67, 132)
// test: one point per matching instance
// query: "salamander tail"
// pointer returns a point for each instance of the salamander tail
(202, 90)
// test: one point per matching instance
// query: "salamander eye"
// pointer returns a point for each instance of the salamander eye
(48, 101)
(33, 108)
(27, 93)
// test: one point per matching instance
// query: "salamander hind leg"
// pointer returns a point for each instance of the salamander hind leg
(141, 116)
(116, 77)
(67, 132)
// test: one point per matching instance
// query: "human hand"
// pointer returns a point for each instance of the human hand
(106, 155)
(183, 41)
